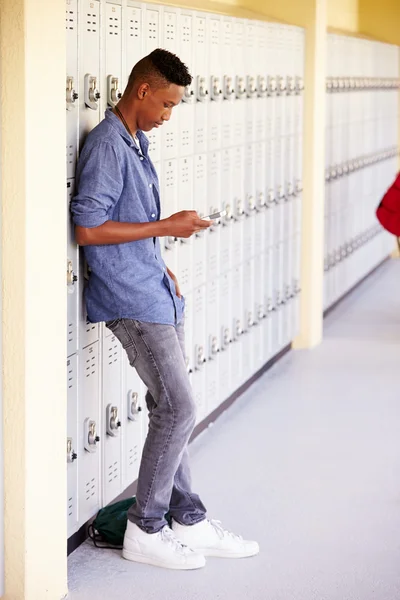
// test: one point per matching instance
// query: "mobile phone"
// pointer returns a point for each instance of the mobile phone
(215, 216)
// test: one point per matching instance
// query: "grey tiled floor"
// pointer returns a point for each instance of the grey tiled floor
(308, 463)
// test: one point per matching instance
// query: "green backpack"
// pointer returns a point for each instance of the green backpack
(109, 526)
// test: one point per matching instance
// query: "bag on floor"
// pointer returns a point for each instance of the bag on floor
(388, 211)
(108, 528)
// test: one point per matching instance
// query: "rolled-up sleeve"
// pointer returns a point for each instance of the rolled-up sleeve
(99, 182)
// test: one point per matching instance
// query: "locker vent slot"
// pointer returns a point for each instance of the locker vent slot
(133, 455)
(70, 507)
(90, 489)
(134, 28)
(90, 368)
(113, 472)
(70, 19)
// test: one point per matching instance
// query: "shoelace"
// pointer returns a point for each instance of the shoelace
(167, 536)
(221, 532)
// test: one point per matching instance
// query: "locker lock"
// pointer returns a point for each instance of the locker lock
(280, 194)
(187, 361)
(216, 92)
(112, 421)
(251, 86)
(188, 95)
(239, 208)
(271, 198)
(202, 91)
(339, 171)
(272, 85)
(290, 189)
(169, 242)
(281, 85)
(228, 216)
(251, 205)
(71, 454)
(226, 338)
(335, 84)
(133, 405)
(345, 168)
(240, 87)
(71, 277)
(229, 90)
(261, 202)
(262, 86)
(299, 84)
(333, 173)
(288, 293)
(270, 305)
(279, 300)
(260, 312)
(72, 95)
(214, 349)
(90, 436)
(341, 84)
(92, 95)
(250, 320)
(113, 92)
(238, 328)
(200, 357)
(290, 85)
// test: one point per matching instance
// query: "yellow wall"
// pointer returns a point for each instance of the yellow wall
(343, 15)
(380, 20)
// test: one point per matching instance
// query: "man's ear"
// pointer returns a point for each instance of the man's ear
(143, 90)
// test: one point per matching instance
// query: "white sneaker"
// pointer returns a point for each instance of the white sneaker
(161, 549)
(210, 539)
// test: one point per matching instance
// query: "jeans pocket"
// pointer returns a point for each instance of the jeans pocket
(112, 325)
(121, 329)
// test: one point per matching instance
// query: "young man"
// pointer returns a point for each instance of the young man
(117, 216)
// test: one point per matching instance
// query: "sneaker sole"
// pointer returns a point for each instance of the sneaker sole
(158, 563)
(224, 553)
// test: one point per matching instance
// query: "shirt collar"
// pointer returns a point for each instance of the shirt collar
(120, 127)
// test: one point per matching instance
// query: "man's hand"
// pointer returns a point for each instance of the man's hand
(174, 279)
(185, 223)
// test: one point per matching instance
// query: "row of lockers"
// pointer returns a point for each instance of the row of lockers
(361, 157)
(234, 324)
(240, 69)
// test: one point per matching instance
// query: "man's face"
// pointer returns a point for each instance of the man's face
(156, 105)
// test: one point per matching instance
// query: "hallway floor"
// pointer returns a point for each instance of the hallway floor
(308, 463)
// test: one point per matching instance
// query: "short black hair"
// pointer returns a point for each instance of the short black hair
(160, 69)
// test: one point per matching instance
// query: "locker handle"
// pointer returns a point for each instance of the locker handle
(71, 94)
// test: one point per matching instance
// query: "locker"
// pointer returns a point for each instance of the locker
(88, 332)
(213, 236)
(111, 417)
(170, 207)
(225, 319)
(170, 41)
(262, 83)
(152, 39)
(134, 419)
(186, 53)
(72, 444)
(250, 202)
(199, 241)
(186, 114)
(199, 350)
(185, 246)
(269, 324)
(215, 87)
(213, 346)
(237, 326)
(227, 195)
(249, 320)
(134, 36)
(72, 85)
(260, 232)
(251, 51)
(238, 209)
(89, 80)
(228, 81)
(89, 428)
(201, 84)
(113, 83)
(239, 106)
(72, 275)
(170, 31)
(260, 311)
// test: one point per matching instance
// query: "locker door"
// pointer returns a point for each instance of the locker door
(226, 259)
(213, 244)
(111, 416)
(112, 58)
(187, 107)
(90, 92)
(238, 208)
(134, 419)
(225, 317)
(134, 36)
(261, 199)
(72, 274)
(215, 88)
(213, 346)
(185, 246)
(170, 129)
(250, 64)
(249, 320)
(199, 350)
(260, 310)
(170, 205)
(237, 325)
(202, 83)
(261, 54)
(239, 106)
(72, 444)
(199, 241)
(72, 85)
(250, 202)
(89, 433)
(228, 82)
(269, 327)
(152, 39)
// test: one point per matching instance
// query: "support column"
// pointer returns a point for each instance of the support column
(32, 67)
(312, 249)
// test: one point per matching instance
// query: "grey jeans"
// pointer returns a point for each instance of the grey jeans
(157, 352)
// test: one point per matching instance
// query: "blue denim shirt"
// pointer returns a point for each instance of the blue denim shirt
(115, 180)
